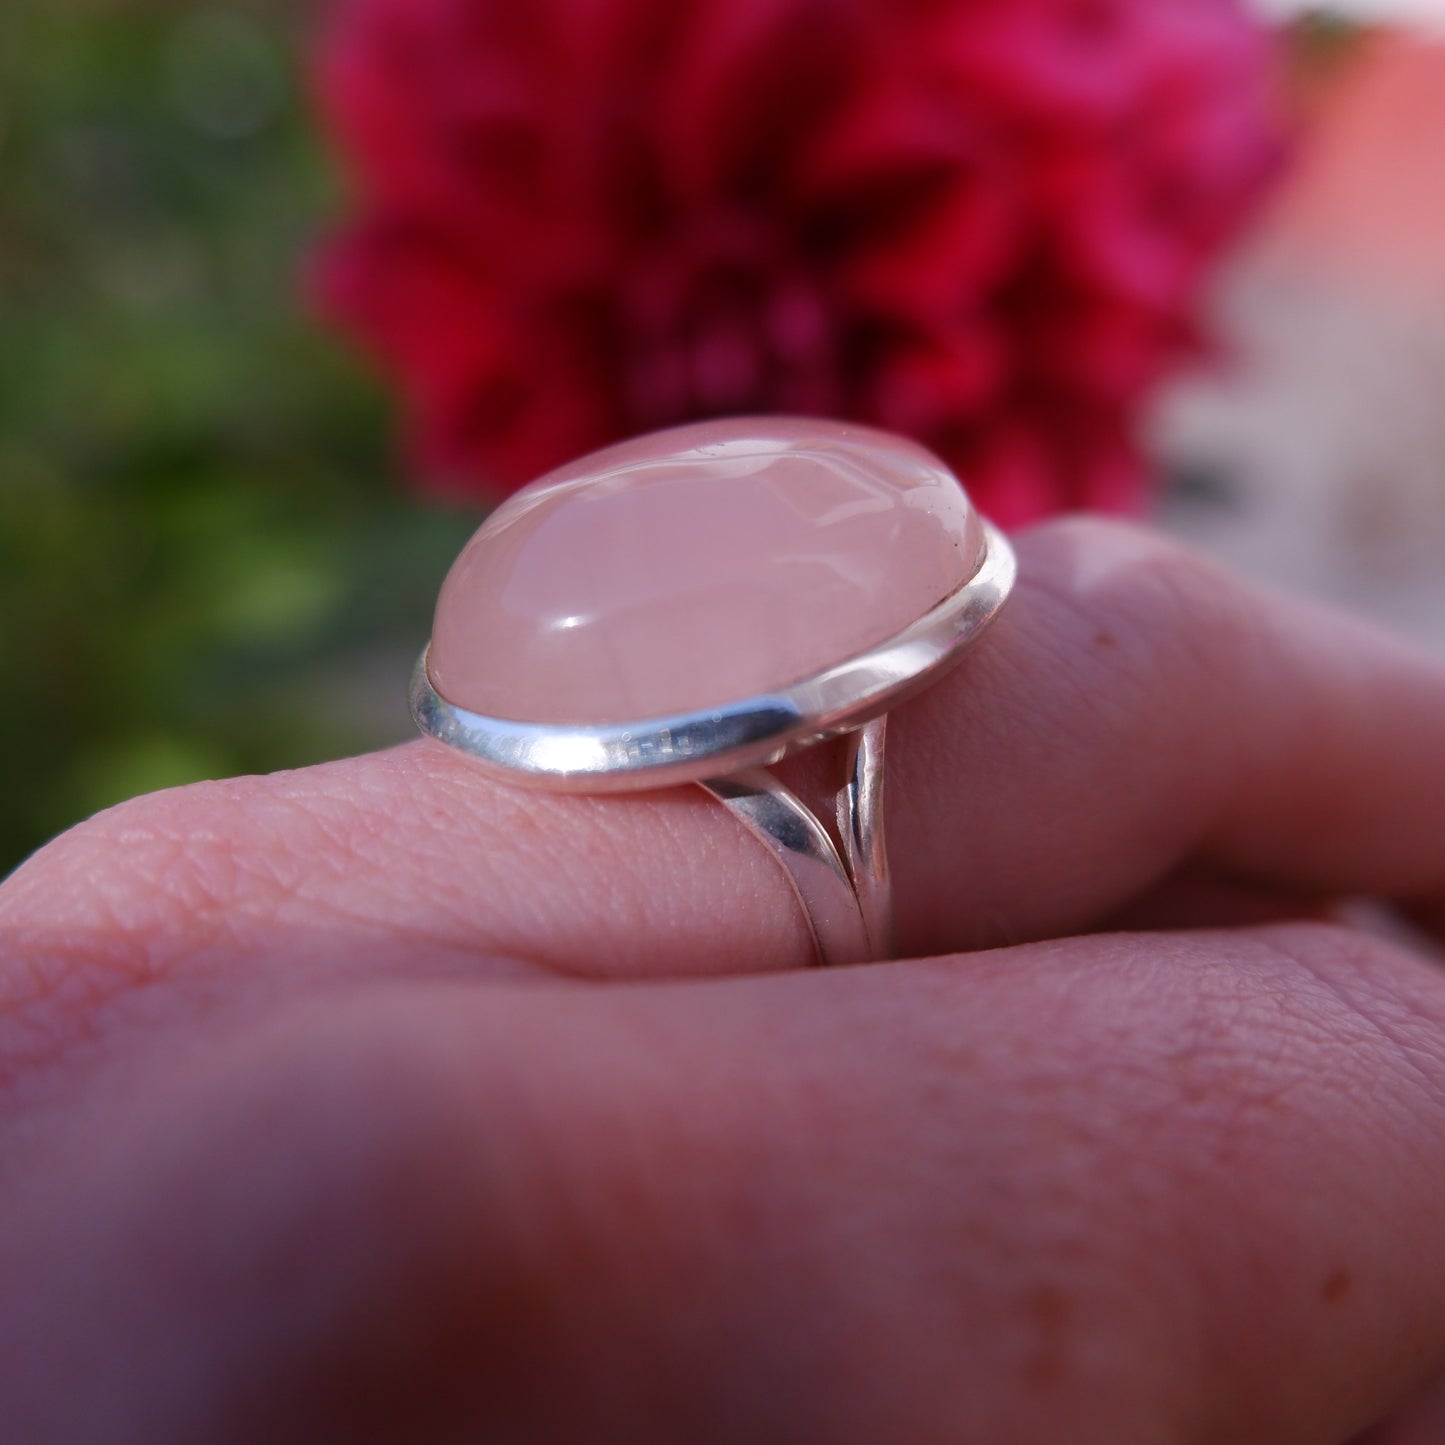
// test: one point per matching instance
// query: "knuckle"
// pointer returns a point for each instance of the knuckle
(1153, 632)
(1122, 571)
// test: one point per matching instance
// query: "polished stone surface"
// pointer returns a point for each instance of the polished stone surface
(697, 567)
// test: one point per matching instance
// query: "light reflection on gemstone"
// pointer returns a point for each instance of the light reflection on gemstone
(694, 568)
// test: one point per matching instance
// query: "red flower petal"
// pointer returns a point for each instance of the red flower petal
(983, 222)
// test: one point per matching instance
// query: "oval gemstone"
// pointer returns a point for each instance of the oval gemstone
(697, 567)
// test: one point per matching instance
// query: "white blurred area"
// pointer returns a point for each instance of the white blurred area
(1312, 454)
(1421, 13)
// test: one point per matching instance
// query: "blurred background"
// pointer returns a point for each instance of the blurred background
(207, 565)
(211, 561)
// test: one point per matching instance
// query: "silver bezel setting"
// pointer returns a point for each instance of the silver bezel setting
(754, 732)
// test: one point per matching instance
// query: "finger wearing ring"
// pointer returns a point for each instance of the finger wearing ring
(693, 606)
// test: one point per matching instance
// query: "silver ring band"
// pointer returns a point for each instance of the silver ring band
(844, 893)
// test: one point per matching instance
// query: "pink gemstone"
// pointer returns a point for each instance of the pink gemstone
(697, 567)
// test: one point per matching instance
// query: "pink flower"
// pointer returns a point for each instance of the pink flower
(980, 222)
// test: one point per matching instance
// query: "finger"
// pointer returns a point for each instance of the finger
(403, 861)
(1137, 714)
(1421, 1422)
(1132, 713)
(1165, 1189)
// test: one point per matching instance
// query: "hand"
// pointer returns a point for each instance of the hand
(377, 1102)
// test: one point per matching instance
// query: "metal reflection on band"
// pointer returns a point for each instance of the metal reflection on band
(844, 892)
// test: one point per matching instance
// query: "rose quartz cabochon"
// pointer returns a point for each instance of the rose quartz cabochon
(697, 567)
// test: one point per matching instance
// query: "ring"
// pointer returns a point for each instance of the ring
(694, 605)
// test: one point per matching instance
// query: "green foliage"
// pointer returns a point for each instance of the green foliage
(206, 563)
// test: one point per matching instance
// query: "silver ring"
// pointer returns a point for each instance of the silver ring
(838, 869)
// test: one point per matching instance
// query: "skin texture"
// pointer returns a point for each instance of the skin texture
(379, 1102)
